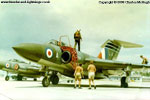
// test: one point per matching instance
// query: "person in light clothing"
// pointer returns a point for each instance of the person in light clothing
(78, 75)
(91, 74)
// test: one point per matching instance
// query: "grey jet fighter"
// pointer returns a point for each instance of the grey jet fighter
(21, 68)
(59, 57)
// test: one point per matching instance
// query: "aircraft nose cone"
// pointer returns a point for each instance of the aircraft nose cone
(18, 47)
(30, 51)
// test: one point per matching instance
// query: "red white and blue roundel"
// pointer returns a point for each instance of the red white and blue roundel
(7, 65)
(16, 67)
(49, 53)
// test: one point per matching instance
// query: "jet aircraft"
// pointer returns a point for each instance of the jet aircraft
(21, 68)
(59, 57)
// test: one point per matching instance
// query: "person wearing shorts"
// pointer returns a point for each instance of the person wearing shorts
(78, 75)
(91, 74)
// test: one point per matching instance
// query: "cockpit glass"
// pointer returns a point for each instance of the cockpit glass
(16, 60)
(55, 42)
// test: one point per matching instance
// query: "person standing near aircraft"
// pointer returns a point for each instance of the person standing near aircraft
(91, 74)
(78, 75)
(77, 38)
(145, 61)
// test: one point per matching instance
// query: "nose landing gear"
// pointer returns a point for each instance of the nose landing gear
(7, 78)
(45, 82)
(53, 78)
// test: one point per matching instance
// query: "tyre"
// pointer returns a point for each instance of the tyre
(45, 82)
(55, 80)
(6, 78)
(71, 81)
(19, 78)
(125, 85)
(123, 82)
(35, 79)
(68, 81)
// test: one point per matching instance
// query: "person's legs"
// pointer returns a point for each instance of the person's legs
(89, 83)
(79, 82)
(93, 83)
(89, 75)
(75, 44)
(93, 75)
(79, 45)
(75, 82)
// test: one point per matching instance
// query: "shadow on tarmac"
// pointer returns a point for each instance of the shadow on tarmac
(72, 85)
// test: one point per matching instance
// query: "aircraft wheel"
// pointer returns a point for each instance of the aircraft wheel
(6, 78)
(125, 85)
(51, 78)
(123, 82)
(71, 81)
(54, 79)
(19, 78)
(45, 82)
(68, 81)
(35, 79)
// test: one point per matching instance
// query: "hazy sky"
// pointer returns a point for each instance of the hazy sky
(38, 23)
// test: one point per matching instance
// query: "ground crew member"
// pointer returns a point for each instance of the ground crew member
(77, 38)
(91, 74)
(78, 75)
(145, 61)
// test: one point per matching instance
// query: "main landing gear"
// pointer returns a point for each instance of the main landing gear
(19, 77)
(45, 82)
(35, 79)
(124, 82)
(125, 79)
(53, 78)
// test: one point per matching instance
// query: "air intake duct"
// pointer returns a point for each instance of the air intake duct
(66, 57)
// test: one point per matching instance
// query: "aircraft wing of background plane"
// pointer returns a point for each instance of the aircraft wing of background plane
(20, 68)
(63, 59)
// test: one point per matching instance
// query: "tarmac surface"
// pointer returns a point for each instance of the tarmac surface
(106, 90)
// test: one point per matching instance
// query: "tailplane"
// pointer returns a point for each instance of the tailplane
(111, 48)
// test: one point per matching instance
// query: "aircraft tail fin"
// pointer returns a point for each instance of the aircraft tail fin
(111, 48)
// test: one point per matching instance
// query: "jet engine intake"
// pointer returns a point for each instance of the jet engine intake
(66, 57)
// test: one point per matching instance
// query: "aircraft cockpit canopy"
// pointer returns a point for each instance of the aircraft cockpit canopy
(55, 42)
(16, 60)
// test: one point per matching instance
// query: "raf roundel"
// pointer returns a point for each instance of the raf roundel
(16, 67)
(49, 53)
(7, 65)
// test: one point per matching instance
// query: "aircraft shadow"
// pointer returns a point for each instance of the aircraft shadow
(100, 86)
(72, 85)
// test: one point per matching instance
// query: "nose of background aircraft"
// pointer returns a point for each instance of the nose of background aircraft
(29, 51)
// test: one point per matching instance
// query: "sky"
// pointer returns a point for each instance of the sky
(38, 23)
